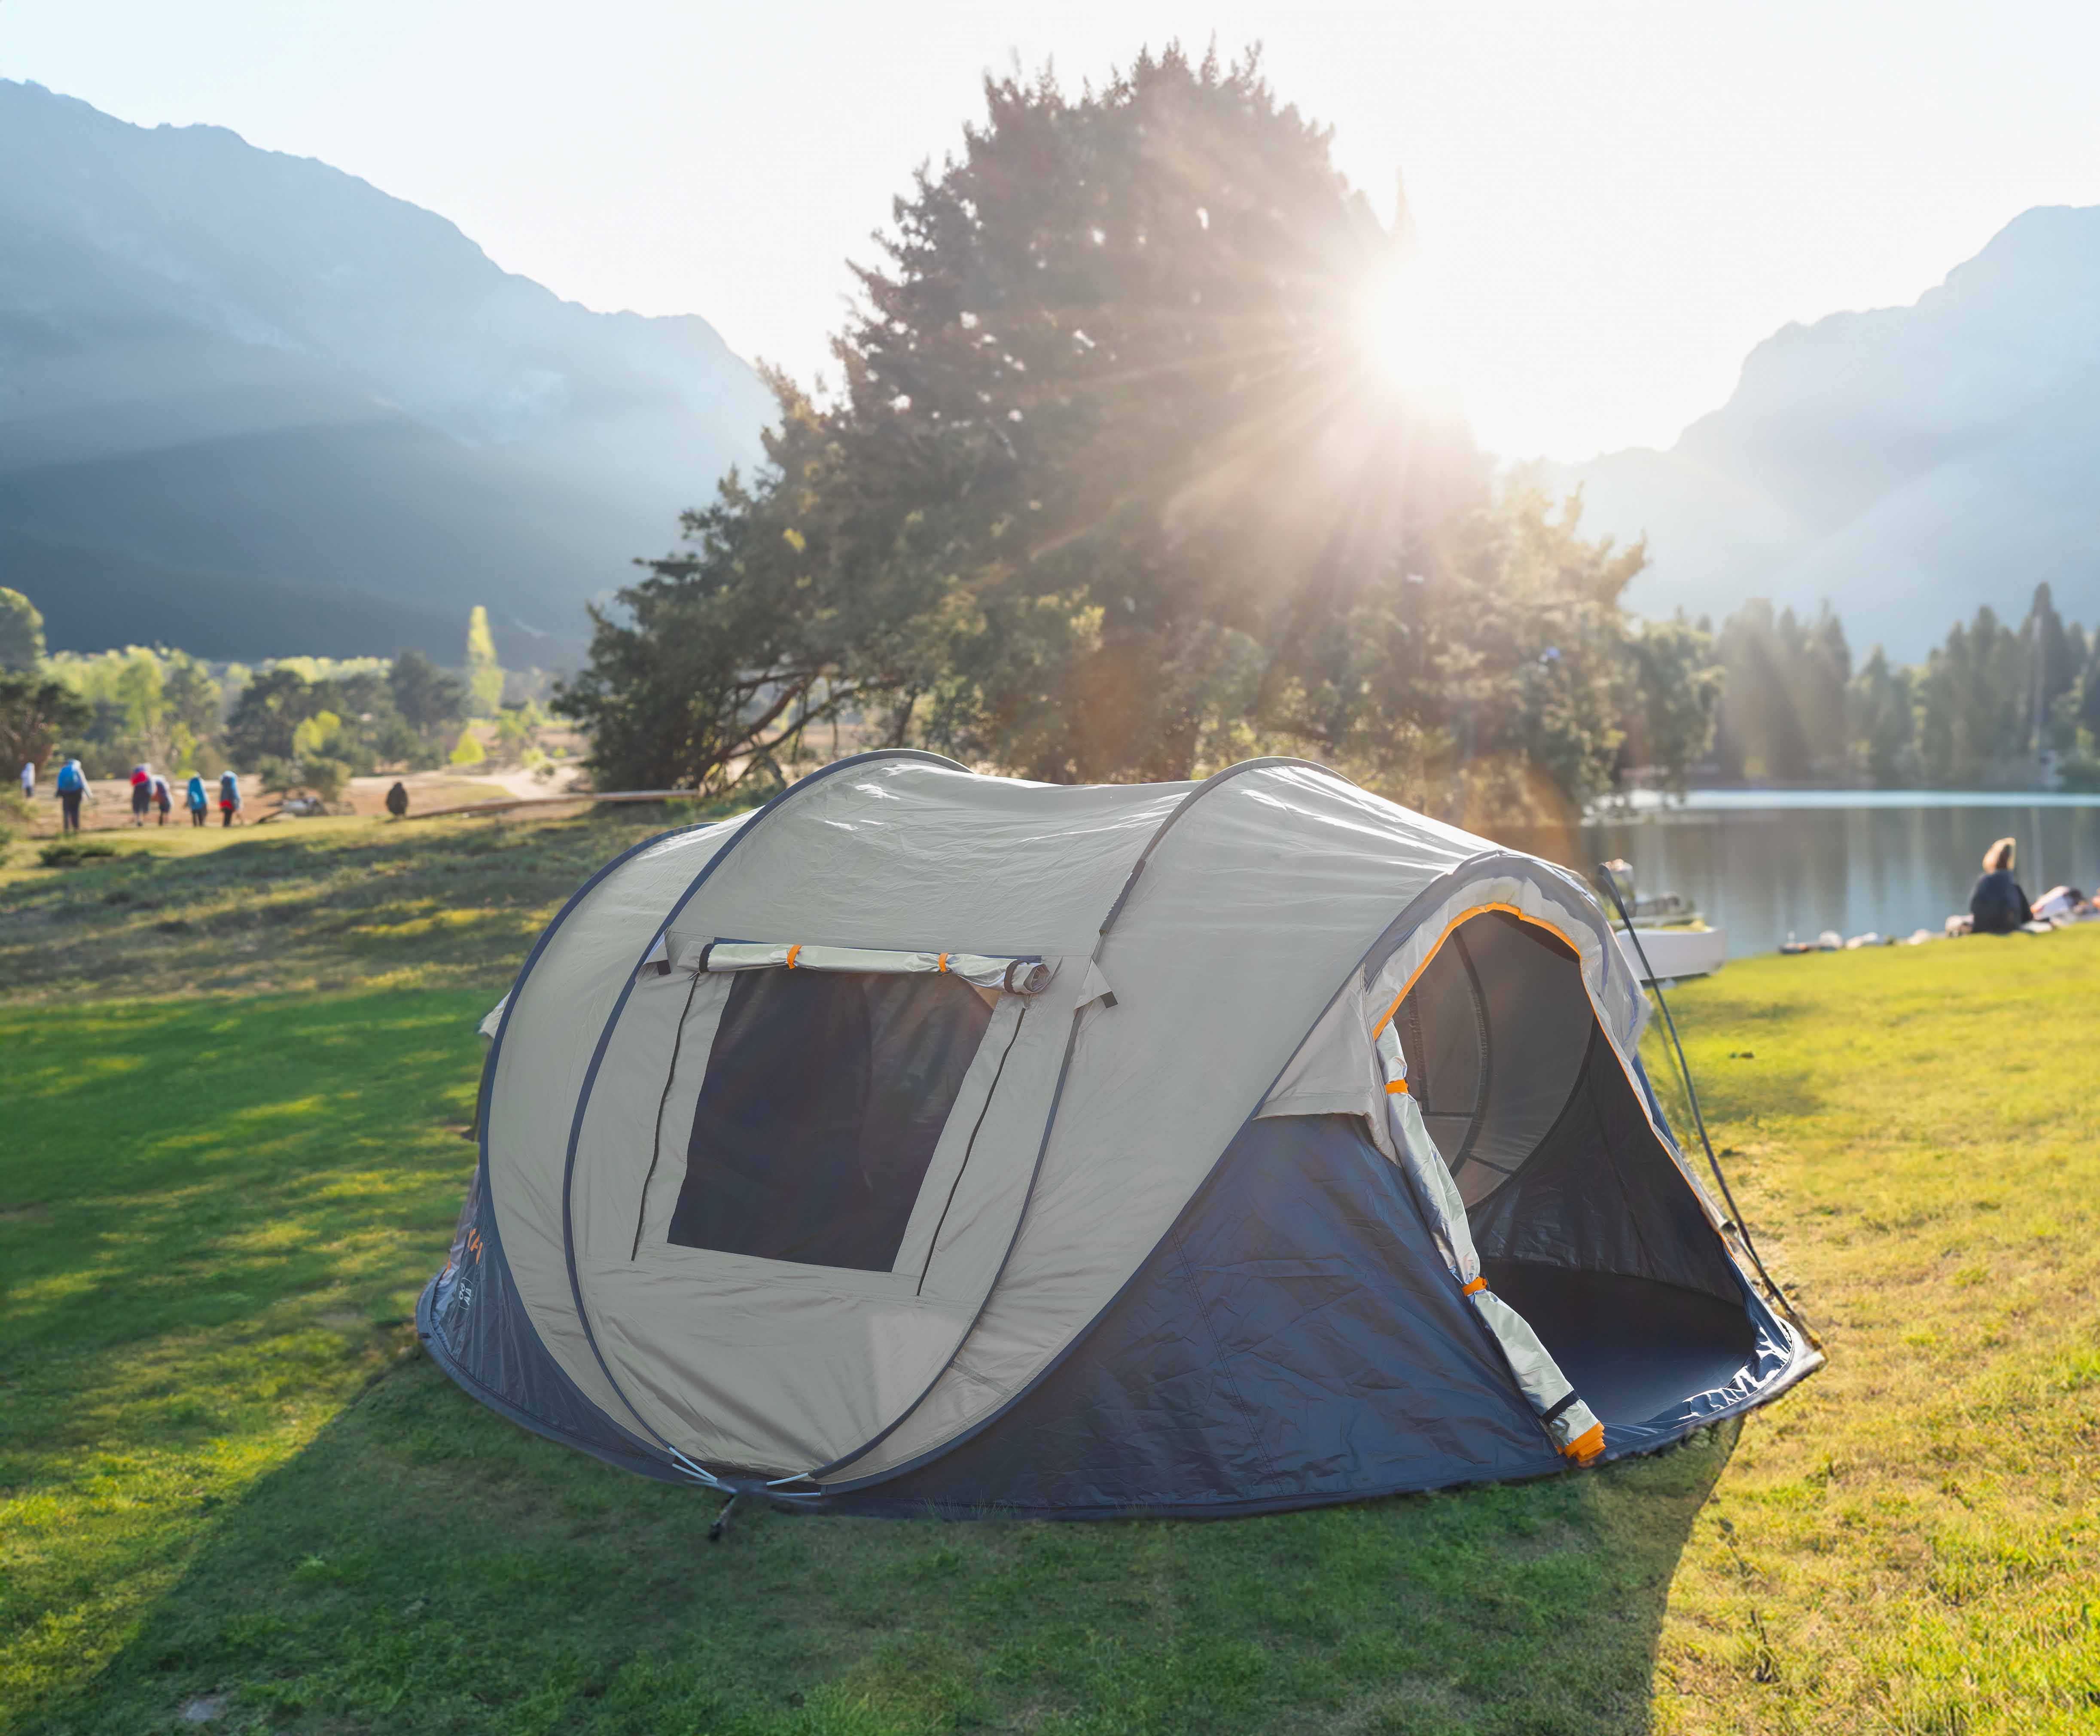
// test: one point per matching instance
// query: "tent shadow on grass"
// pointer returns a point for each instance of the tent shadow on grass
(424, 1566)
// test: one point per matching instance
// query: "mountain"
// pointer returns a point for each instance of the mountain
(252, 406)
(1908, 463)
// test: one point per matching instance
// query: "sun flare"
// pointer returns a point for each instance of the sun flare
(1403, 327)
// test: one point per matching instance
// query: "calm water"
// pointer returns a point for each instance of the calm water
(1765, 864)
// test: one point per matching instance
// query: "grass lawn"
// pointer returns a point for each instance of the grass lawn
(234, 1496)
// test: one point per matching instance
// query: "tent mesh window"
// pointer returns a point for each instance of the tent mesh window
(824, 1097)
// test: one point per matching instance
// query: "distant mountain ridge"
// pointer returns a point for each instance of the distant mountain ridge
(244, 394)
(1908, 463)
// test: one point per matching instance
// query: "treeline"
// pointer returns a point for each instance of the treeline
(305, 723)
(1995, 706)
(1112, 486)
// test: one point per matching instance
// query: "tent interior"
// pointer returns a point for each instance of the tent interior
(1582, 1221)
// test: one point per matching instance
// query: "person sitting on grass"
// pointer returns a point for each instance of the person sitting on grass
(397, 800)
(199, 804)
(1997, 905)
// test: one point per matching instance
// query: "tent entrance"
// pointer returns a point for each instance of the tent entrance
(1635, 1349)
(1582, 1220)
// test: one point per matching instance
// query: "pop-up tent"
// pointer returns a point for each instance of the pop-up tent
(931, 1141)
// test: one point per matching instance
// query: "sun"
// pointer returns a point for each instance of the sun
(1403, 327)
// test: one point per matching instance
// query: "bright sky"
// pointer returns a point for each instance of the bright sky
(1614, 201)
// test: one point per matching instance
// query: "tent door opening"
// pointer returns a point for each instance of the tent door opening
(1582, 1221)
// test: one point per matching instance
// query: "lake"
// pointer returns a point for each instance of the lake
(1768, 863)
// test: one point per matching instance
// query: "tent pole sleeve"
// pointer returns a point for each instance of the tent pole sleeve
(1576, 1431)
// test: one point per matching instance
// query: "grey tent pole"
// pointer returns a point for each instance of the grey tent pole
(1611, 885)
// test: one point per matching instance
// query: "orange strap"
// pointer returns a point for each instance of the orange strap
(1396, 1087)
(791, 952)
(943, 966)
(1477, 1285)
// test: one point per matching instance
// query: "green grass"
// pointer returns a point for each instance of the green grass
(307, 905)
(227, 1476)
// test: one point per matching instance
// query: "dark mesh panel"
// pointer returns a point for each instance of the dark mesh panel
(1600, 1195)
(824, 1097)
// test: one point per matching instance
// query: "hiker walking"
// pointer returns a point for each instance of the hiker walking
(164, 799)
(142, 793)
(29, 780)
(73, 790)
(229, 798)
(397, 800)
(197, 801)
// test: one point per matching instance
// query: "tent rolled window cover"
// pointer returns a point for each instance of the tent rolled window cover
(1355, 1184)
(1014, 976)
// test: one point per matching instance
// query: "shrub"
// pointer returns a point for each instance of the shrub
(325, 777)
(70, 854)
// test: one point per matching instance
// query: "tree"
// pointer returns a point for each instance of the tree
(21, 634)
(270, 709)
(2053, 657)
(1675, 700)
(1882, 723)
(1783, 716)
(1973, 715)
(1114, 379)
(518, 731)
(429, 700)
(718, 663)
(1111, 445)
(484, 674)
(36, 714)
(1115, 489)
(1487, 672)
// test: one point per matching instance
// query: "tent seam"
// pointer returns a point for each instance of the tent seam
(663, 1102)
(969, 1149)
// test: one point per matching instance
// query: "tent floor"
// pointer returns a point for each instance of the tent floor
(1634, 1348)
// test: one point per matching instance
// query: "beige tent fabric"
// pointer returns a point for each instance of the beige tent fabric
(546, 1048)
(771, 1365)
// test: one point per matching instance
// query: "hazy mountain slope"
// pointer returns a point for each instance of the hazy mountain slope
(221, 364)
(1908, 463)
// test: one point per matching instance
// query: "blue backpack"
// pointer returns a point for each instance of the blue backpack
(69, 779)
